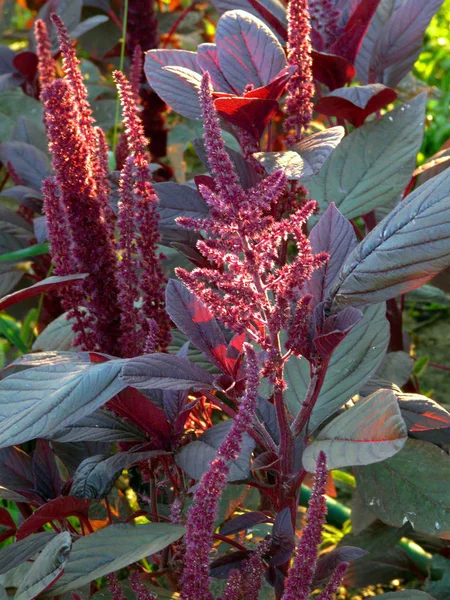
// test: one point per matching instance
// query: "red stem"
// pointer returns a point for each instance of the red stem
(315, 385)
(177, 23)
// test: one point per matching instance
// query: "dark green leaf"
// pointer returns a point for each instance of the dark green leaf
(100, 426)
(369, 432)
(194, 458)
(111, 549)
(402, 489)
(41, 401)
(408, 248)
(372, 165)
(352, 363)
(29, 252)
(17, 553)
(46, 568)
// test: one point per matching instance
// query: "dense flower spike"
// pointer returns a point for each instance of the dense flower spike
(245, 583)
(136, 71)
(301, 573)
(142, 593)
(93, 250)
(153, 280)
(46, 64)
(203, 512)
(71, 66)
(127, 275)
(300, 88)
(331, 588)
(114, 587)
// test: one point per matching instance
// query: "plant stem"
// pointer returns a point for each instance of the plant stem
(122, 60)
(315, 385)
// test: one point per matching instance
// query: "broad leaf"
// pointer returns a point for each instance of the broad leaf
(208, 60)
(196, 322)
(111, 549)
(177, 200)
(100, 426)
(426, 419)
(334, 235)
(331, 560)
(407, 249)
(31, 165)
(372, 165)
(305, 158)
(396, 368)
(46, 285)
(60, 508)
(355, 103)
(194, 458)
(96, 475)
(407, 595)
(349, 42)
(40, 401)
(267, 10)
(161, 371)
(248, 51)
(17, 553)
(57, 336)
(47, 480)
(369, 432)
(400, 41)
(46, 568)
(400, 489)
(180, 93)
(351, 365)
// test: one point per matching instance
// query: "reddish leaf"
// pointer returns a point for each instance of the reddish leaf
(208, 60)
(356, 103)
(270, 18)
(355, 29)
(5, 519)
(47, 285)
(47, 481)
(55, 510)
(197, 322)
(331, 70)
(26, 63)
(251, 114)
(138, 409)
(275, 88)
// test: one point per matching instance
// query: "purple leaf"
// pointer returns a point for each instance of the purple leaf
(426, 419)
(283, 538)
(273, 12)
(46, 285)
(355, 103)
(222, 567)
(31, 165)
(335, 235)
(334, 329)
(16, 554)
(332, 70)
(178, 85)
(160, 371)
(208, 60)
(400, 41)
(328, 563)
(245, 521)
(348, 44)
(47, 480)
(194, 320)
(16, 471)
(248, 51)
(405, 250)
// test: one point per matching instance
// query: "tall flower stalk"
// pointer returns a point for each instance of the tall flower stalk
(300, 88)
(203, 512)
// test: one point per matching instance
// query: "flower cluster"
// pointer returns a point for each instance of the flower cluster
(250, 287)
(203, 512)
(81, 222)
(300, 88)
